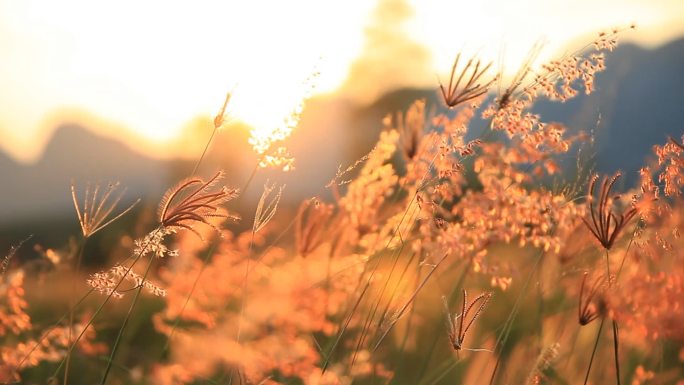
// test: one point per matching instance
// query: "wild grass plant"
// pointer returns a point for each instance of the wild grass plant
(569, 285)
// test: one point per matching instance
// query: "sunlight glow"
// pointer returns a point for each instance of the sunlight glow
(151, 68)
(271, 129)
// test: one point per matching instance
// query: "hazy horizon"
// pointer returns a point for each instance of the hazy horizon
(153, 89)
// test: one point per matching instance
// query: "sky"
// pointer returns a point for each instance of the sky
(146, 72)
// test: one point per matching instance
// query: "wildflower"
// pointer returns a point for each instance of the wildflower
(108, 282)
(671, 156)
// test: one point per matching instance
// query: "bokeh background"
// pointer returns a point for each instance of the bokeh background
(126, 91)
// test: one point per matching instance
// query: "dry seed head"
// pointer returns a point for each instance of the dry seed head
(10, 254)
(605, 224)
(153, 243)
(108, 282)
(311, 225)
(544, 361)
(455, 93)
(411, 127)
(588, 310)
(220, 118)
(458, 326)
(194, 201)
(265, 212)
(93, 216)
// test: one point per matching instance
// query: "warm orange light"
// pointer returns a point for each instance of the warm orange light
(153, 67)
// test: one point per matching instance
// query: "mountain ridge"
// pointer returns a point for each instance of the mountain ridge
(636, 105)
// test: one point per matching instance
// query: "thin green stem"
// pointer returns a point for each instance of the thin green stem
(508, 326)
(244, 288)
(204, 152)
(593, 352)
(440, 335)
(128, 317)
(624, 257)
(99, 309)
(615, 325)
(409, 320)
(79, 258)
(251, 177)
(615, 345)
(187, 299)
(608, 268)
(54, 326)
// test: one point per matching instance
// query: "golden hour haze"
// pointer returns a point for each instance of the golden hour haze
(417, 192)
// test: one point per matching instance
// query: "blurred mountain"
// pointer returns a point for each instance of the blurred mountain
(42, 190)
(637, 104)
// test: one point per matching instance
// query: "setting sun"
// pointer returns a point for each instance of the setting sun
(152, 68)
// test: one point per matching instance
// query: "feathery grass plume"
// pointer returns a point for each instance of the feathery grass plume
(458, 326)
(93, 216)
(546, 358)
(265, 212)
(311, 223)
(220, 117)
(455, 94)
(520, 76)
(559, 80)
(587, 309)
(671, 156)
(411, 127)
(605, 224)
(342, 177)
(10, 254)
(191, 202)
(376, 181)
(108, 282)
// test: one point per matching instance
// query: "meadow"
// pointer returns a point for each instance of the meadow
(442, 257)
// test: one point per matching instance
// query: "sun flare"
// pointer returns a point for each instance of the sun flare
(154, 70)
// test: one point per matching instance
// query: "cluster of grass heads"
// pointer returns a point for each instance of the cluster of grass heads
(438, 260)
